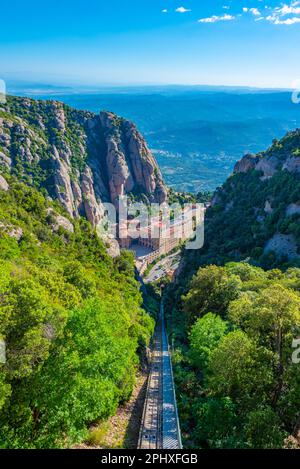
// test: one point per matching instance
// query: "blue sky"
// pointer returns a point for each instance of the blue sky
(217, 42)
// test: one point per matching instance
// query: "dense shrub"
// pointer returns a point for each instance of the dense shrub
(72, 321)
(237, 386)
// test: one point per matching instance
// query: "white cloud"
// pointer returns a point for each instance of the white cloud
(294, 20)
(282, 14)
(288, 10)
(255, 11)
(182, 10)
(164, 10)
(286, 14)
(215, 18)
(226, 7)
(288, 21)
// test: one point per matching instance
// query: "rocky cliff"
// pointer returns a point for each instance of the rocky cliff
(78, 157)
(255, 215)
(284, 155)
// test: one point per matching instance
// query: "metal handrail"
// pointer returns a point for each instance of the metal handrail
(172, 380)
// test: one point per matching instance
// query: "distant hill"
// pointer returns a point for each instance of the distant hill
(199, 131)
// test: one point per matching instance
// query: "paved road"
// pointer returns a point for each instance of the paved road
(160, 269)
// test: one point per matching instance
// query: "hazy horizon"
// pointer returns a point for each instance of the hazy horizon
(15, 84)
(197, 133)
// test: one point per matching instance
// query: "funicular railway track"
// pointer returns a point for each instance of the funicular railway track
(150, 432)
(160, 424)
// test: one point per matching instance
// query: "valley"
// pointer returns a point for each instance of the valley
(196, 133)
(76, 322)
(150, 232)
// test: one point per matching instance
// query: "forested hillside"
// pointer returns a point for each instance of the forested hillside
(71, 319)
(233, 324)
(237, 384)
(256, 213)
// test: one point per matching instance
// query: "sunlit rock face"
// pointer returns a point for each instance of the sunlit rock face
(80, 158)
(281, 156)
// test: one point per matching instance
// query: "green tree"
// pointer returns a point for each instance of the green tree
(204, 338)
(273, 317)
(211, 290)
(216, 421)
(263, 429)
(242, 370)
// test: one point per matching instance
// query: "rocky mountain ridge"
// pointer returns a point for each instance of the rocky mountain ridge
(255, 215)
(284, 155)
(78, 157)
